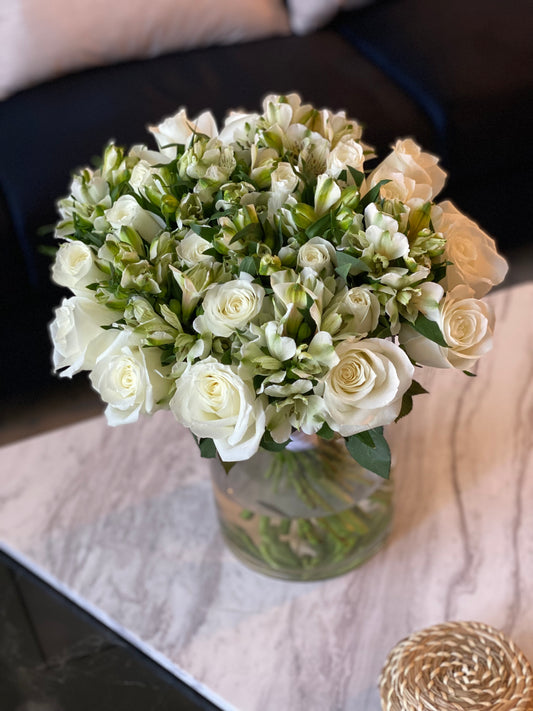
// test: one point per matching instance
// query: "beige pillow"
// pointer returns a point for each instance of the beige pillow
(40, 39)
(309, 15)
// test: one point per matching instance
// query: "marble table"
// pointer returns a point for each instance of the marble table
(123, 520)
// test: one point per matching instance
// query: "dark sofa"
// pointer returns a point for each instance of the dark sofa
(456, 76)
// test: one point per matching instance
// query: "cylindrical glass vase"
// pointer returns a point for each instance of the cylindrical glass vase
(308, 512)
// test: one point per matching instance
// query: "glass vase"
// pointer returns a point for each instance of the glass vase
(308, 512)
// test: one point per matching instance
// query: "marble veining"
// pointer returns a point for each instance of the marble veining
(124, 519)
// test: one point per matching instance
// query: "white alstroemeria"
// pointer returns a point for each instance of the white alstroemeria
(263, 163)
(327, 193)
(179, 129)
(230, 306)
(322, 351)
(75, 267)
(193, 283)
(90, 189)
(281, 347)
(238, 128)
(304, 413)
(298, 387)
(383, 237)
(129, 378)
(142, 153)
(346, 153)
(128, 213)
(475, 260)
(413, 174)
(365, 389)
(77, 334)
(401, 277)
(317, 254)
(213, 401)
(283, 182)
(191, 249)
(277, 111)
(466, 324)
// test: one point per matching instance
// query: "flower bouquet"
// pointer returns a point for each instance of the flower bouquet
(276, 295)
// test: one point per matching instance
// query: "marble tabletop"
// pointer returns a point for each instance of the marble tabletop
(123, 520)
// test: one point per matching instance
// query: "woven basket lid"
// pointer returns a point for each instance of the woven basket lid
(457, 666)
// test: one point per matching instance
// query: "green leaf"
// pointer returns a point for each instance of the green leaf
(253, 230)
(319, 227)
(470, 375)
(346, 262)
(271, 445)
(373, 194)
(357, 176)
(248, 265)
(207, 448)
(430, 330)
(407, 400)
(226, 357)
(326, 432)
(375, 458)
(208, 233)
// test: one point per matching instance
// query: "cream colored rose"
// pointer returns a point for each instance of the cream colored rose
(212, 400)
(284, 179)
(475, 260)
(346, 153)
(366, 387)
(363, 305)
(77, 334)
(230, 307)
(191, 249)
(317, 254)
(75, 267)
(414, 174)
(129, 378)
(467, 325)
(128, 213)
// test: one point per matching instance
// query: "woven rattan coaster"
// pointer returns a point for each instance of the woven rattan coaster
(457, 666)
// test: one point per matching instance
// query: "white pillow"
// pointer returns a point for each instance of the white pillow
(309, 15)
(40, 39)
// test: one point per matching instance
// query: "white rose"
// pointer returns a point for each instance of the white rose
(317, 254)
(467, 325)
(129, 378)
(75, 267)
(229, 307)
(475, 260)
(346, 153)
(284, 179)
(361, 303)
(413, 173)
(366, 387)
(142, 177)
(128, 213)
(77, 333)
(212, 400)
(179, 128)
(191, 249)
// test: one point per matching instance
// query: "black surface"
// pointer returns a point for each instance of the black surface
(54, 656)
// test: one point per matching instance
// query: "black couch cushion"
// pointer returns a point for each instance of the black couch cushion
(49, 130)
(469, 66)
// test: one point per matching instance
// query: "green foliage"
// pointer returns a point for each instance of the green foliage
(430, 330)
(407, 400)
(371, 450)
